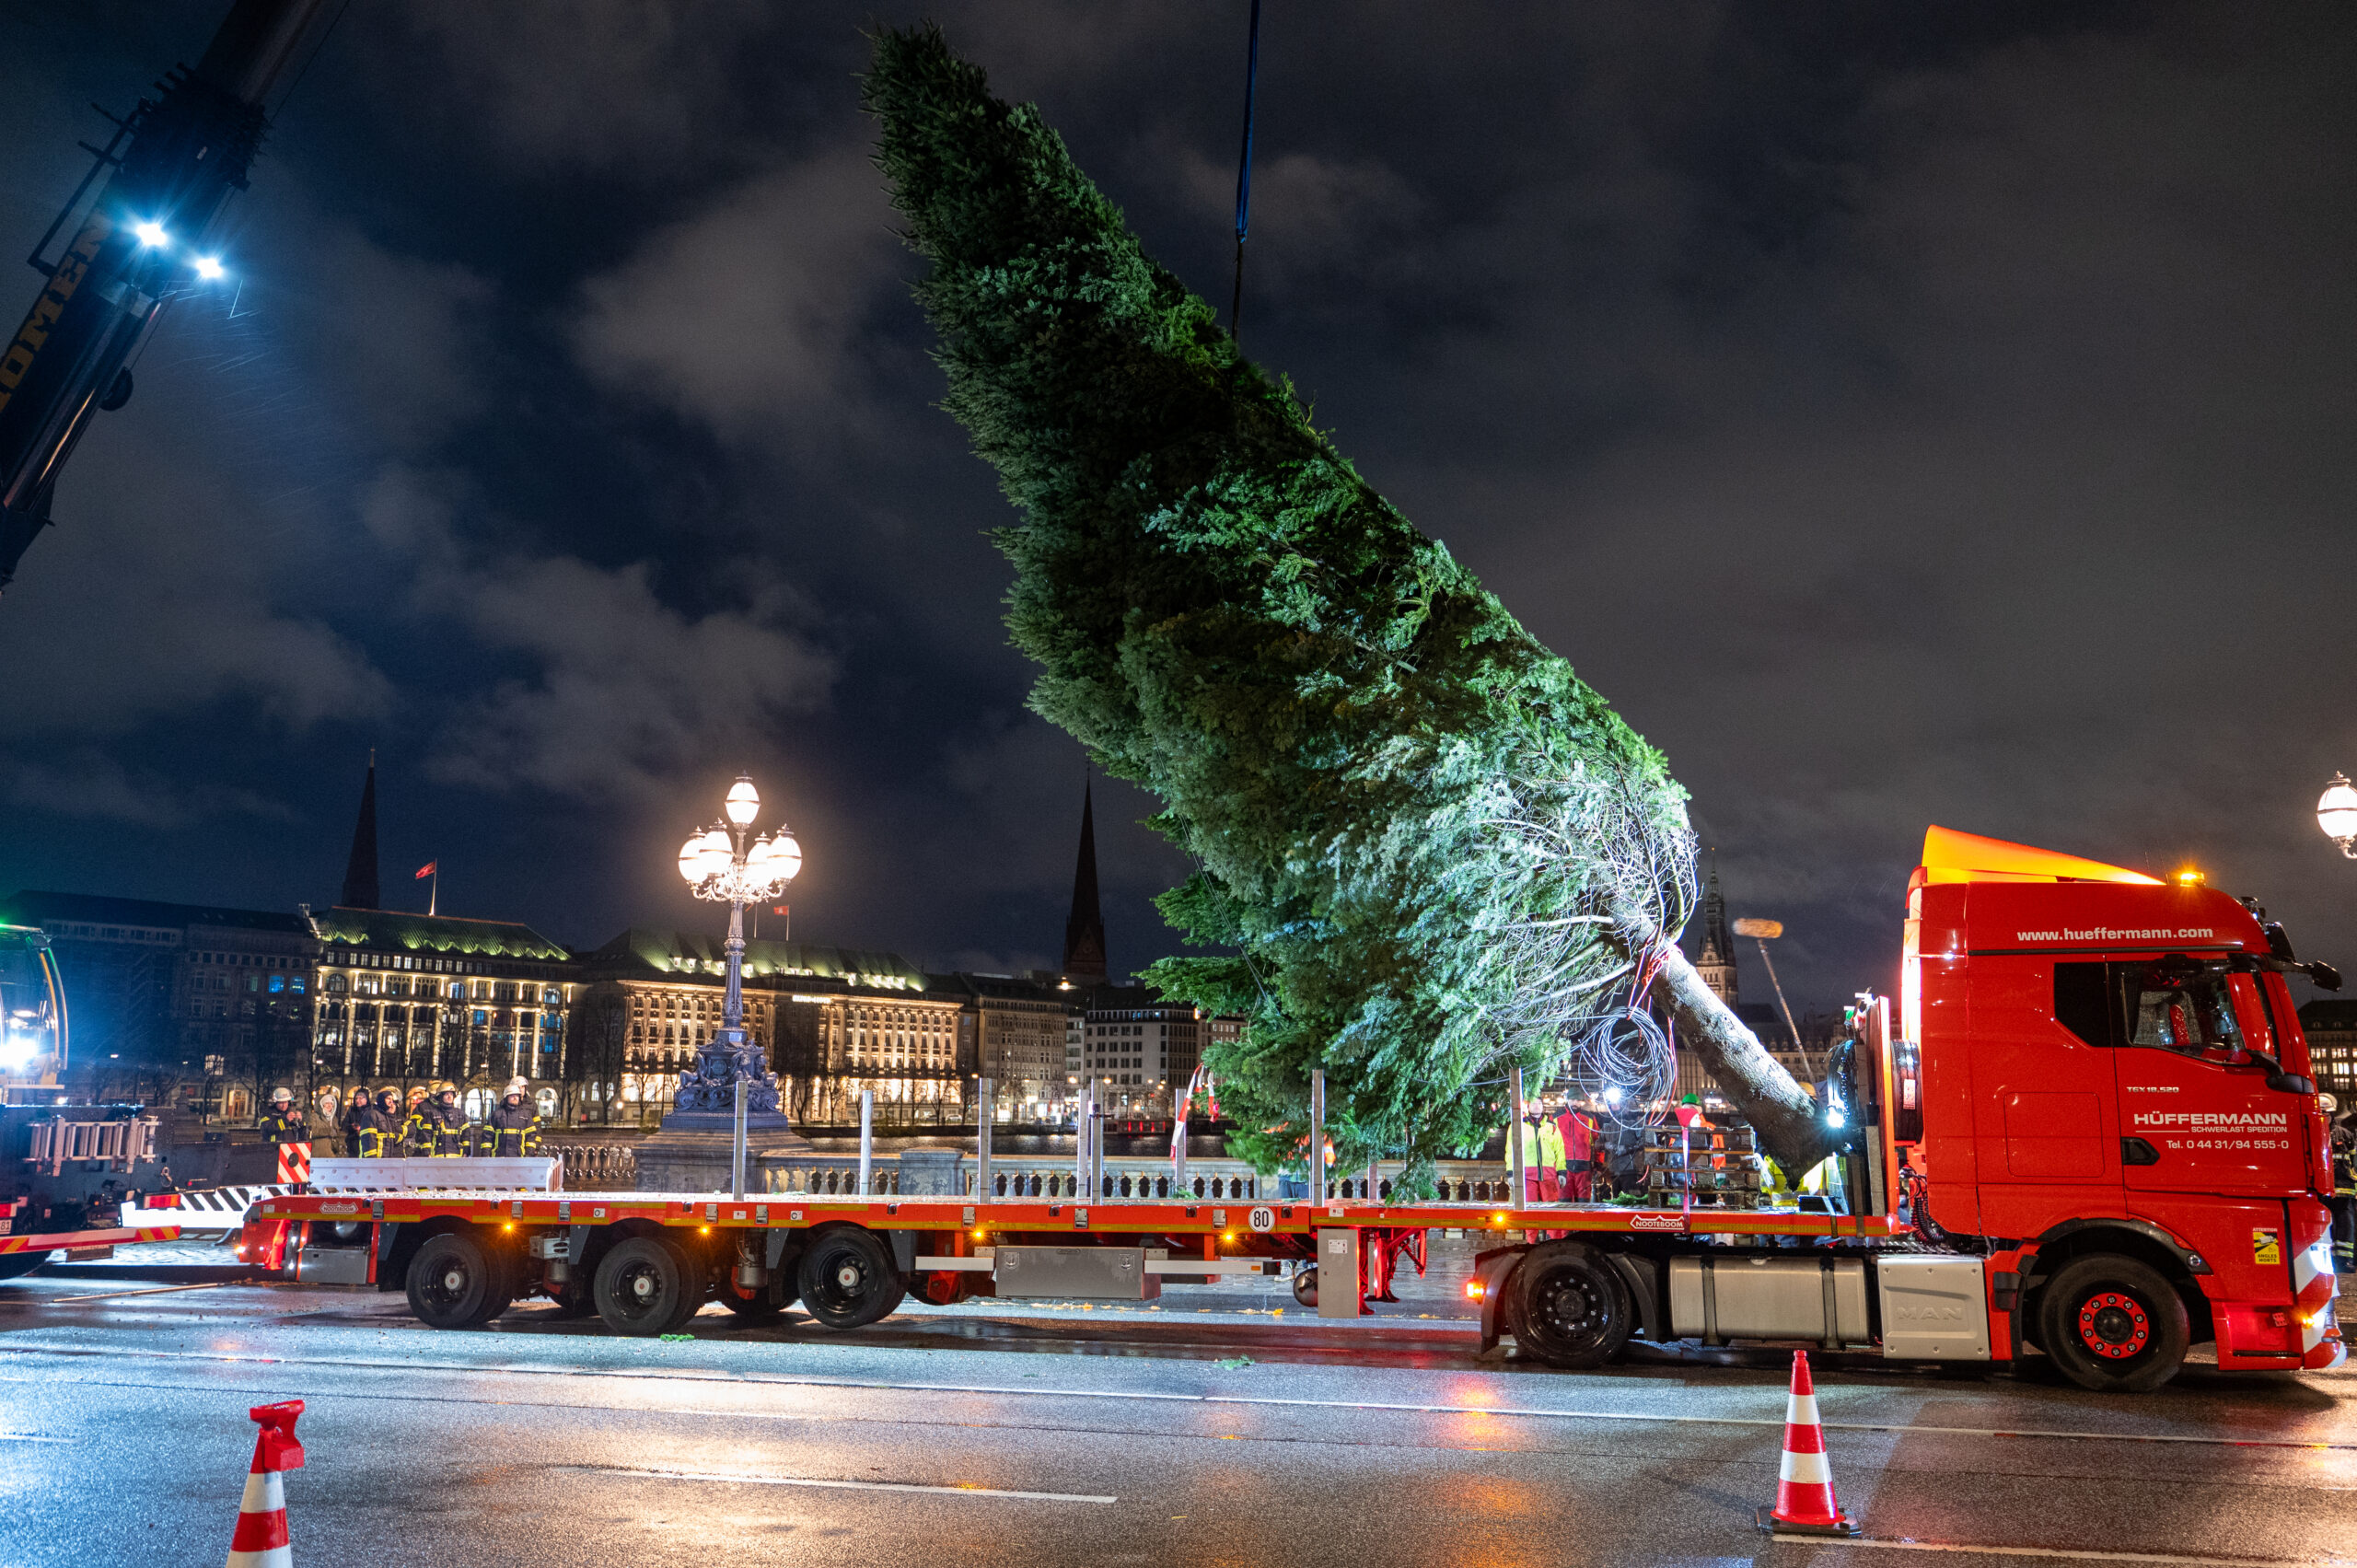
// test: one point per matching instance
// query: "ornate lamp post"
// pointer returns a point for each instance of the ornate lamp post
(2337, 814)
(720, 865)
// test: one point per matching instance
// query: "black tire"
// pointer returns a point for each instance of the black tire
(647, 1285)
(2113, 1324)
(847, 1279)
(455, 1282)
(1305, 1284)
(1570, 1306)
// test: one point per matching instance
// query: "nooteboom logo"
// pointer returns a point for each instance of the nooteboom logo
(1657, 1221)
(2121, 934)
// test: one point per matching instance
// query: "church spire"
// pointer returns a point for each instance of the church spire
(360, 887)
(1716, 964)
(1084, 929)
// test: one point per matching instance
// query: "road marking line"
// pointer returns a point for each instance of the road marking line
(28, 1437)
(847, 1485)
(1530, 1412)
(156, 1289)
(2059, 1553)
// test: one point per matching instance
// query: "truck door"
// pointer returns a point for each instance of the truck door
(2046, 1117)
(2196, 1114)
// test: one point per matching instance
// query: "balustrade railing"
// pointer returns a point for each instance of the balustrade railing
(1136, 1180)
(589, 1167)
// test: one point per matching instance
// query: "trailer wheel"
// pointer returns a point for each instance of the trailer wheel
(2113, 1324)
(1571, 1308)
(646, 1286)
(848, 1280)
(455, 1283)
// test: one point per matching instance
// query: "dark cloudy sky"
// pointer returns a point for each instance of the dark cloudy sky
(1904, 414)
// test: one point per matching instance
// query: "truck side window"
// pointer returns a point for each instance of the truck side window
(2185, 1007)
(2083, 1002)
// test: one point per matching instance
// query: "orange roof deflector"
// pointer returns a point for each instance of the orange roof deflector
(1951, 856)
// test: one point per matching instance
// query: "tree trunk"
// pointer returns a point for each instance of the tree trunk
(1781, 1111)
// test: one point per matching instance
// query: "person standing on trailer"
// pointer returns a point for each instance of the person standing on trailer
(1579, 1141)
(513, 1126)
(437, 1128)
(286, 1127)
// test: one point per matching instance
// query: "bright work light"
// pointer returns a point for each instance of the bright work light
(209, 268)
(151, 233)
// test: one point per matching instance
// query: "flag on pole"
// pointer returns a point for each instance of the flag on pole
(425, 870)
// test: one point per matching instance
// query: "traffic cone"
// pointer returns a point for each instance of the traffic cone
(261, 1540)
(1804, 1502)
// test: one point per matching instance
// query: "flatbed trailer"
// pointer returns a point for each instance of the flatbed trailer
(1569, 1283)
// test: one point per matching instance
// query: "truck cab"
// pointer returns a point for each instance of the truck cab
(2117, 1107)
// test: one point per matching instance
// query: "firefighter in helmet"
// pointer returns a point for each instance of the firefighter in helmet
(284, 1123)
(438, 1128)
(513, 1126)
(367, 1118)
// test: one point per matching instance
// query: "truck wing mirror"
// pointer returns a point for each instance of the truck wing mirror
(2323, 976)
(2290, 1083)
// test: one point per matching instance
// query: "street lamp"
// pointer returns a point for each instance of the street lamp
(2337, 814)
(718, 864)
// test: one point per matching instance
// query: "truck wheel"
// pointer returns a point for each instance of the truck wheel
(2113, 1324)
(646, 1286)
(1570, 1308)
(455, 1283)
(1305, 1284)
(848, 1280)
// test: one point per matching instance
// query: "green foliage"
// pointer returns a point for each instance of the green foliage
(1352, 739)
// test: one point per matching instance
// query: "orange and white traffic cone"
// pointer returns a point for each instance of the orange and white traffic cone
(1805, 1503)
(261, 1540)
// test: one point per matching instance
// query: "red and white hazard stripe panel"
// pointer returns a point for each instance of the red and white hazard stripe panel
(294, 1163)
(2314, 1286)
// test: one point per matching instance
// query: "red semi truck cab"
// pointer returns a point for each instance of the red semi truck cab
(2114, 1095)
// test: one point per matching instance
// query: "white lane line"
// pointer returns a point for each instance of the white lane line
(28, 1437)
(847, 1485)
(2047, 1552)
(1524, 1412)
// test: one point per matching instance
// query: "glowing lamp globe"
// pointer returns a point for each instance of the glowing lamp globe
(786, 857)
(692, 858)
(743, 802)
(2337, 813)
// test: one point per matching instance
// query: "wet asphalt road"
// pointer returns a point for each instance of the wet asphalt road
(1043, 1437)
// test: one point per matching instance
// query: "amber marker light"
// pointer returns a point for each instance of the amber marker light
(1498, 1220)
(1475, 1290)
(2189, 877)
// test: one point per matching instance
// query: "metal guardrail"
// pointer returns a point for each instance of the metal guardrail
(611, 1167)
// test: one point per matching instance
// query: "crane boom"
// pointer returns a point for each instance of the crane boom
(138, 229)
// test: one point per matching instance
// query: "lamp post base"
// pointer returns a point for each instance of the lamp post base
(694, 1151)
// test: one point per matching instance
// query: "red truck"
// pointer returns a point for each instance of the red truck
(2092, 1132)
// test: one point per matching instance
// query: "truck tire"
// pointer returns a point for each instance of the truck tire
(455, 1282)
(2113, 1324)
(646, 1286)
(1571, 1307)
(847, 1279)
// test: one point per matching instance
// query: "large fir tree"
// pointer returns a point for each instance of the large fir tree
(1435, 852)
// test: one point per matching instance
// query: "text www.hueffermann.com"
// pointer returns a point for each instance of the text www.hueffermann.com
(2120, 934)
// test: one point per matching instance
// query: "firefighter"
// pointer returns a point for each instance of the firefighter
(359, 1115)
(438, 1128)
(367, 1119)
(2344, 1198)
(513, 1126)
(283, 1123)
(389, 1120)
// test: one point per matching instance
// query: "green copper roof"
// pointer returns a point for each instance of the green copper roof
(685, 952)
(434, 934)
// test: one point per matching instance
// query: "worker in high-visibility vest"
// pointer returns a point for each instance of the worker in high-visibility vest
(513, 1128)
(438, 1128)
(1550, 1161)
(286, 1127)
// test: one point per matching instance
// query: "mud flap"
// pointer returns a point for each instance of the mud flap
(1493, 1271)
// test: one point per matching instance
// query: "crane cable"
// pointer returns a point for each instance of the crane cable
(1244, 179)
